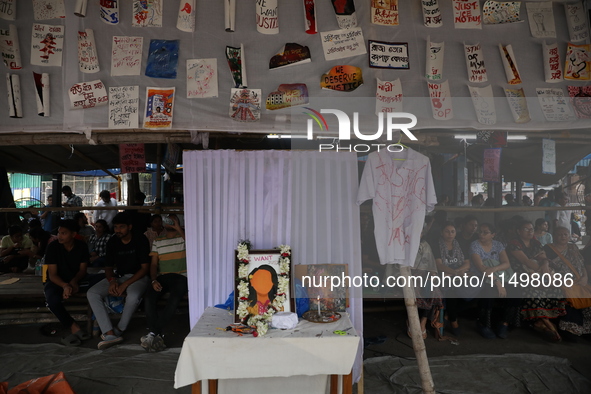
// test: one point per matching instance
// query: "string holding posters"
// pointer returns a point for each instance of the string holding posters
(8, 10)
(47, 45)
(475, 63)
(552, 64)
(498, 12)
(431, 13)
(85, 95)
(10, 48)
(434, 63)
(126, 55)
(342, 79)
(48, 9)
(388, 96)
(267, 17)
(483, 100)
(554, 104)
(159, 108)
(578, 62)
(87, 54)
(287, 95)
(202, 78)
(541, 19)
(576, 18)
(132, 158)
(187, 14)
(245, 105)
(467, 14)
(124, 107)
(237, 65)
(548, 156)
(339, 44)
(384, 12)
(163, 58)
(310, 16)
(13, 86)
(580, 99)
(345, 13)
(510, 65)
(42, 93)
(147, 13)
(291, 54)
(388, 55)
(491, 165)
(109, 11)
(518, 104)
(80, 8)
(440, 97)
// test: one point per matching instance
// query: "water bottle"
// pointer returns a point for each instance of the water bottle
(39, 266)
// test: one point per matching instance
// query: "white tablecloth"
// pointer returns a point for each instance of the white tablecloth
(309, 349)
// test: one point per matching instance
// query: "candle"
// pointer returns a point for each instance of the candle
(318, 303)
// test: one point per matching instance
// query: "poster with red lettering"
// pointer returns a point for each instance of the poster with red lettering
(88, 95)
(87, 54)
(132, 158)
(491, 168)
(384, 12)
(186, 19)
(342, 78)
(266, 16)
(310, 16)
(47, 45)
(467, 14)
(441, 100)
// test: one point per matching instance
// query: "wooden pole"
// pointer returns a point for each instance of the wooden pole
(158, 199)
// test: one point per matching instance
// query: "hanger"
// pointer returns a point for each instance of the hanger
(402, 145)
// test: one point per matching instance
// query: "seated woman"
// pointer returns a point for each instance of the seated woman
(539, 304)
(97, 243)
(15, 251)
(565, 258)
(541, 232)
(41, 239)
(489, 257)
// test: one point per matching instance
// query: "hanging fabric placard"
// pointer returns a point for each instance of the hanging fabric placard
(13, 84)
(110, 11)
(267, 18)
(345, 12)
(431, 13)
(42, 93)
(552, 64)
(388, 96)
(491, 165)
(10, 49)
(310, 16)
(475, 63)
(509, 64)
(186, 19)
(434, 64)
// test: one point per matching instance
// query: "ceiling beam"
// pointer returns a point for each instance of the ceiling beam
(48, 159)
(89, 160)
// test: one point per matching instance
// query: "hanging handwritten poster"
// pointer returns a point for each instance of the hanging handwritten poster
(230, 15)
(42, 90)
(245, 105)
(339, 44)
(291, 54)
(342, 78)
(80, 8)
(186, 18)
(483, 100)
(310, 16)
(497, 12)
(580, 98)
(171, 158)
(13, 85)
(163, 58)
(159, 108)
(510, 64)
(384, 12)
(578, 62)
(554, 104)
(345, 12)
(493, 138)
(288, 95)
(388, 96)
(388, 55)
(541, 19)
(10, 48)
(132, 158)
(48, 9)
(475, 63)
(202, 78)
(434, 64)
(126, 56)
(8, 10)
(147, 13)
(124, 107)
(441, 104)
(110, 11)
(431, 13)
(491, 165)
(237, 64)
(548, 156)
(518, 104)
(87, 54)
(467, 14)
(576, 17)
(267, 16)
(47, 45)
(88, 95)
(552, 64)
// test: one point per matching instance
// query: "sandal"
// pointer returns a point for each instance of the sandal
(71, 340)
(548, 334)
(410, 336)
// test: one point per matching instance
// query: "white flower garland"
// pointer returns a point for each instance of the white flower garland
(261, 322)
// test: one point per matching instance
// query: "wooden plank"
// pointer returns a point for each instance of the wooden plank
(348, 383)
(196, 388)
(334, 384)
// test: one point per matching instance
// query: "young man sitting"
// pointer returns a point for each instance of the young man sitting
(15, 251)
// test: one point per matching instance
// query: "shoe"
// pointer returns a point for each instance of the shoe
(108, 341)
(157, 344)
(146, 341)
(485, 331)
(116, 331)
(503, 331)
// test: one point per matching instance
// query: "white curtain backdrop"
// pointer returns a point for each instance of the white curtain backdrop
(304, 199)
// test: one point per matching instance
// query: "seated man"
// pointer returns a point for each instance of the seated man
(169, 275)
(66, 262)
(129, 254)
(86, 230)
(15, 251)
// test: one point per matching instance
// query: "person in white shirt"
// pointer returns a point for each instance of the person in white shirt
(106, 215)
(561, 218)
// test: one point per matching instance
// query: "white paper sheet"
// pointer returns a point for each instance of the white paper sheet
(518, 104)
(441, 104)
(8, 10)
(552, 63)
(186, 19)
(483, 100)
(431, 13)
(230, 15)
(384, 12)
(434, 63)
(267, 17)
(159, 108)
(467, 14)
(339, 44)
(47, 45)
(475, 63)
(110, 12)
(88, 95)
(510, 65)
(48, 9)
(577, 22)
(554, 104)
(124, 107)
(42, 93)
(80, 8)
(389, 96)
(13, 84)
(10, 49)
(202, 78)
(147, 13)
(541, 19)
(548, 156)
(245, 105)
(126, 56)
(87, 53)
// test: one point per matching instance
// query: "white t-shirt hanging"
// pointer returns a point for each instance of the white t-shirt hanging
(402, 191)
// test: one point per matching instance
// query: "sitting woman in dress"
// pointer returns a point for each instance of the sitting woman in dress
(540, 304)
(541, 232)
(489, 257)
(565, 258)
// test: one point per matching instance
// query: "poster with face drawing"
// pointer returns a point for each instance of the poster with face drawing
(267, 17)
(126, 56)
(202, 78)
(42, 93)
(510, 65)
(518, 104)
(431, 13)
(578, 62)
(147, 13)
(475, 63)
(87, 54)
(163, 58)
(541, 19)
(8, 10)
(124, 104)
(434, 64)
(384, 12)
(310, 16)
(159, 108)
(47, 45)
(467, 14)
(577, 22)
(13, 85)
(88, 95)
(48, 9)
(345, 12)
(10, 49)
(109, 11)
(497, 12)
(388, 96)
(245, 105)
(441, 104)
(186, 19)
(552, 64)
(483, 100)
(554, 104)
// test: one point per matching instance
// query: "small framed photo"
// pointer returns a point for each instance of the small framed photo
(388, 55)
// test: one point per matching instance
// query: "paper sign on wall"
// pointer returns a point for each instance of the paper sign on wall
(384, 12)
(483, 100)
(288, 95)
(578, 62)
(187, 13)
(124, 107)
(475, 63)
(345, 12)
(441, 100)
(290, 55)
(580, 98)
(163, 58)
(13, 85)
(132, 158)
(342, 78)
(147, 13)
(202, 78)
(10, 48)
(87, 54)
(310, 16)
(159, 108)
(510, 65)
(554, 104)
(110, 11)
(496, 12)
(389, 96)
(339, 44)
(577, 22)
(267, 16)
(434, 64)
(541, 19)
(552, 64)
(42, 93)
(126, 56)
(230, 15)
(8, 10)
(47, 45)
(237, 64)
(548, 156)
(467, 14)
(491, 165)
(88, 95)
(388, 55)
(48, 9)
(245, 105)
(518, 104)
(431, 13)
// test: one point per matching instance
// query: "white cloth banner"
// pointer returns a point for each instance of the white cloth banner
(434, 64)
(475, 63)
(389, 96)
(484, 104)
(267, 16)
(441, 100)
(186, 18)
(431, 13)
(87, 54)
